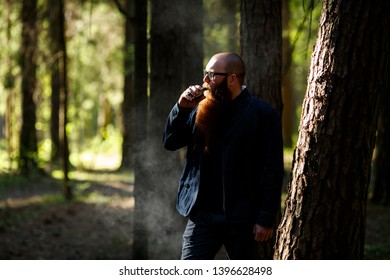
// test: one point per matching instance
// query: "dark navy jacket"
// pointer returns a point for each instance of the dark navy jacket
(252, 161)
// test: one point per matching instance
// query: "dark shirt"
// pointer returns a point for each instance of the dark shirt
(210, 197)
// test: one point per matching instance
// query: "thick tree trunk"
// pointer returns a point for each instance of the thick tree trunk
(176, 37)
(28, 154)
(326, 205)
(261, 48)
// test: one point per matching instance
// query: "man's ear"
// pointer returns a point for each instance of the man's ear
(232, 79)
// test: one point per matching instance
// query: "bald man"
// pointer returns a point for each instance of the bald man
(230, 187)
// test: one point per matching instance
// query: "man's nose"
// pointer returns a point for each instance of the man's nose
(206, 78)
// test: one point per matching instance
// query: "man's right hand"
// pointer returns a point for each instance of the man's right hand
(191, 97)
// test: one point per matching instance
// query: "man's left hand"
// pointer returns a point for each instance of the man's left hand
(262, 233)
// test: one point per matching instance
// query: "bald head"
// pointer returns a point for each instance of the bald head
(232, 63)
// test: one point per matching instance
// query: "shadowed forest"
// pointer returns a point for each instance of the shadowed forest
(86, 86)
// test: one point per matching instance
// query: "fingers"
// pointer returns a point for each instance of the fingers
(262, 237)
(193, 92)
(191, 97)
(262, 233)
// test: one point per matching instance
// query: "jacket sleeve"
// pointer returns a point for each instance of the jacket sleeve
(273, 170)
(178, 128)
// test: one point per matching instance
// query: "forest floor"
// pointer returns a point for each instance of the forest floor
(37, 223)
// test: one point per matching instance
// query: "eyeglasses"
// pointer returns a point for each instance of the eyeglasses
(212, 74)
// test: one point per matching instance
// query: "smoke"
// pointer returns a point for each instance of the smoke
(176, 62)
(156, 188)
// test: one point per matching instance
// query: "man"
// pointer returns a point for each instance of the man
(230, 187)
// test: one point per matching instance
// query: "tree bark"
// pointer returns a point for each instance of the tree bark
(261, 48)
(28, 153)
(59, 84)
(325, 209)
(56, 54)
(139, 128)
(176, 38)
(128, 89)
(64, 143)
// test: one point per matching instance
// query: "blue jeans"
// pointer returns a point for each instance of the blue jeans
(206, 232)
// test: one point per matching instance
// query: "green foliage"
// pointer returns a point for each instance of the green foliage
(303, 28)
(95, 71)
(94, 37)
(9, 40)
(102, 153)
(303, 34)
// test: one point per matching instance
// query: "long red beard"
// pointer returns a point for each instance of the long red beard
(206, 121)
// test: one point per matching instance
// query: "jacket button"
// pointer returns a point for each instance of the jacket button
(187, 186)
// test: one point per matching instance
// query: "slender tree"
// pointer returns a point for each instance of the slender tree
(128, 90)
(325, 209)
(139, 129)
(134, 111)
(59, 90)
(261, 48)
(56, 56)
(28, 154)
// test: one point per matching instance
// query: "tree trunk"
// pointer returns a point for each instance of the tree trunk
(138, 126)
(59, 94)
(261, 48)
(128, 89)
(28, 154)
(63, 84)
(56, 55)
(325, 209)
(171, 46)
